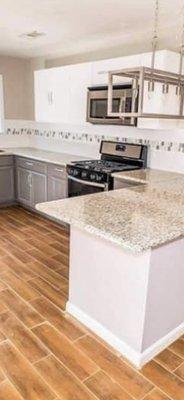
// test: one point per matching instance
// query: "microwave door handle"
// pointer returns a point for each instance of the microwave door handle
(122, 105)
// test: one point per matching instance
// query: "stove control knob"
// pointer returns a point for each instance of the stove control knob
(75, 172)
(92, 177)
(70, 171)
(99, 178)
(84, 174)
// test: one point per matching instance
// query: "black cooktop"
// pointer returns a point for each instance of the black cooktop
(104, 166)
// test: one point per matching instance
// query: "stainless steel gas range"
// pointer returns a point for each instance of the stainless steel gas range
(91, 176)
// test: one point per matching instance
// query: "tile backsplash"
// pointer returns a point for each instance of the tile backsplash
(166, 148)
(91, 139)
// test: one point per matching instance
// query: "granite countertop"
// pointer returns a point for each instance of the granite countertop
(146, 175)
(42, 155)
(137, 219)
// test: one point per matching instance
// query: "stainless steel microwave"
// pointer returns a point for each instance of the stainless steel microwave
(97, 105)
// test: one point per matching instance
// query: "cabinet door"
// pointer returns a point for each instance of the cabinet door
(43, 89)
(57, 188)
(6, 184)
(52, 95)
(38, 188)
(60, 95)
(80, 80)
(24, 186)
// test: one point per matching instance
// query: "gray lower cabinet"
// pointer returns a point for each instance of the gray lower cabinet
(38, 182)
(24, 186)
(7, 187)
(38, 188)
(56, 188)
(57, 182)
(31, 187)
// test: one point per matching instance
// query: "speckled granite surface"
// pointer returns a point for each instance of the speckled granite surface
(137, 219)
(146, 175)
(43, 155)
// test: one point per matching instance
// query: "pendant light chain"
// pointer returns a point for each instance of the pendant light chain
(178, 88)
(155, 32)
(182, 43)
(151, 84)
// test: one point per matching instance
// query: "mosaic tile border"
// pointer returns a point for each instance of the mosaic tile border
(87, 138)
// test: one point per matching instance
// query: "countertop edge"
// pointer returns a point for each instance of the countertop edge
(43, 159)
(137, 250)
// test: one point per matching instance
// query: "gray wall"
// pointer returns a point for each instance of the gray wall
(18, 84)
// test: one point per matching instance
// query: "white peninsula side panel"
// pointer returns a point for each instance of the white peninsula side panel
(135, 302)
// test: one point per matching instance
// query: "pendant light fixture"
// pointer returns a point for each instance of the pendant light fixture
(139, 76)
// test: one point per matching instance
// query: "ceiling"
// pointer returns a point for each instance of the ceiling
(81, 26)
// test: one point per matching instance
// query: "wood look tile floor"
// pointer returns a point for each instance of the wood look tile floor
(44, 353)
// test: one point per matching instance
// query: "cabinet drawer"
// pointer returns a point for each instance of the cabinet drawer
(57, 171)
(6, 160)
(32, 165)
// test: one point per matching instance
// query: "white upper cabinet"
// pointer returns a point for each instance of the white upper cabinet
(80, 79)
(52, 95)
(1, 105)
(42, 91)
(60, 94)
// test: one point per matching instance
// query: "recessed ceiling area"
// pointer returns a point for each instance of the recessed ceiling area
(81, 26)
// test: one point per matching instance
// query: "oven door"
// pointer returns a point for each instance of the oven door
(78, 187)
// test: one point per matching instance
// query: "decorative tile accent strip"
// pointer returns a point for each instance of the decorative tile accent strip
(87, 138)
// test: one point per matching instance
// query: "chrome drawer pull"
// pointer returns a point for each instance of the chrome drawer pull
(59, 170)
(29, 163)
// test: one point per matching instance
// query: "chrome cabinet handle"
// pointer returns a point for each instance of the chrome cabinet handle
(59, 170)
(50, 97)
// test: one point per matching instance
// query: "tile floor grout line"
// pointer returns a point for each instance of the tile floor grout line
(147, 394)
(174, 352)
(14, 291)
(13, 386)
(70, 371)
(42, 359)
(29, 330)
(81, 337)
(31, 364)
(49, 323)
(91, 376)
(178, 366)
(166, 368)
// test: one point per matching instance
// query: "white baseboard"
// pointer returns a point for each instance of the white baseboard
(136, 358)
(161, 344)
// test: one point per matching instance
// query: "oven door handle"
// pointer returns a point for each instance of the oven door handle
(94, 184)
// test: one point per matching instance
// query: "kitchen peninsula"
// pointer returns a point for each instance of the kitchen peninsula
(127, 283)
